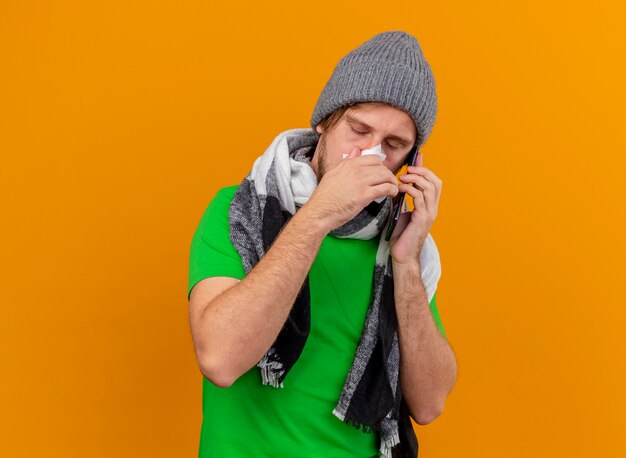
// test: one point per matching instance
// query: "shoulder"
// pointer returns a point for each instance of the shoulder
(226, 193)
(217, 207)
(223, 197)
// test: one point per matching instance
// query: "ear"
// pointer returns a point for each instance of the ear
(319, 129)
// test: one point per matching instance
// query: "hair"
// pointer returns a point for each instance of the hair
(329, 122)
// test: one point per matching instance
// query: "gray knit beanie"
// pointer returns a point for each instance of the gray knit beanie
(389, 68)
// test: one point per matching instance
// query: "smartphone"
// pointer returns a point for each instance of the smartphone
(395, 214)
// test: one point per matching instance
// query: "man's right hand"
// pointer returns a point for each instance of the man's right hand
(349, 187)
(234, 322)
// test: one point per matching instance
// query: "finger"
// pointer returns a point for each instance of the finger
(421, 199)
(428, 175)
(417, 194)
(427, 188)
(386, 189)
(424, 172)
(378, 175)
(354, 152)
(371, 159)
(422, 182)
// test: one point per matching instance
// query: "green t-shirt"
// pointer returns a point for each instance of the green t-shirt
(249, 419)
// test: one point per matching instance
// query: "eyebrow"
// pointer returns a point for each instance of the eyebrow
(402, 140)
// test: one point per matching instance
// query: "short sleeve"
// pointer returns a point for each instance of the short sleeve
(212, 254)
(435, 312)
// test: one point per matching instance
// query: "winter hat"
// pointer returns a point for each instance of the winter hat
(389, 68)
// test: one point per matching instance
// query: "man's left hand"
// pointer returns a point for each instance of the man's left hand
(412, 228)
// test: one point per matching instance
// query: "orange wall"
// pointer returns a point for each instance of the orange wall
(120, 120)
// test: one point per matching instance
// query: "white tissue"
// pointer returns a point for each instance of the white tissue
(374, 150)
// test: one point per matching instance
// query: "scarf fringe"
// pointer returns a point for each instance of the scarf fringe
(386, 445)
(271, 370)
(368, 429)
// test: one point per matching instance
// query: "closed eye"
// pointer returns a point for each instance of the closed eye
(392, 146)
(358, 132)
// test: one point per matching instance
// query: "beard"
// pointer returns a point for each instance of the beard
(322, 165)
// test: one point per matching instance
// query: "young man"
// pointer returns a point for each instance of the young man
(306, 321)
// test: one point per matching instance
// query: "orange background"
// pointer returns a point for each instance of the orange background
(120, 120)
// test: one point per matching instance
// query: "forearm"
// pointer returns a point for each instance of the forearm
(241, 324)
(427, 362)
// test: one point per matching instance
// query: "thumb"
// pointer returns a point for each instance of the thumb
(354, 152)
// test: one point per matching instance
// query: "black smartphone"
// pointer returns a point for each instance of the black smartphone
(395, 214)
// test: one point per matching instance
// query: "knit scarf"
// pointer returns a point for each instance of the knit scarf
(281, 181)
